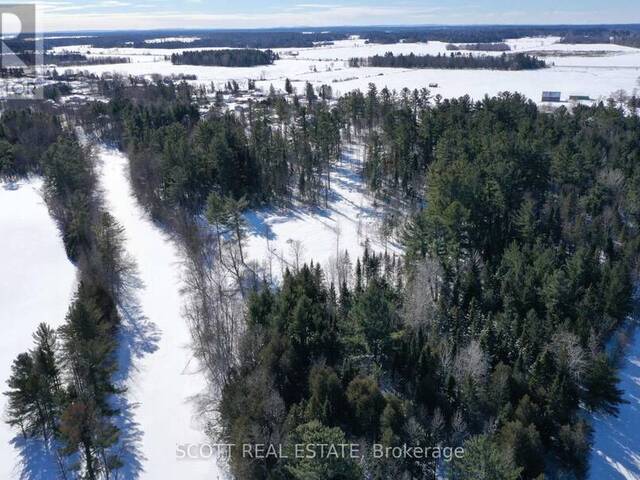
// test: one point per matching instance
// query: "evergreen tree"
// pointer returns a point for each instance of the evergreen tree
(483, 460)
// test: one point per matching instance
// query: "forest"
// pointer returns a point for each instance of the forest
(208, 38)
(519, 61)
(243, 57)
(178, 159)
(627, 38)
(490, 333)
(521, 251)
(484, 33)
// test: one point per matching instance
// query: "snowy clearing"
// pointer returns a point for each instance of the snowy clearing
(164, 382)
(278, 236)
(36, 285)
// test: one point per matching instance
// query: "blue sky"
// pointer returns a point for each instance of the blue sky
(145, 14)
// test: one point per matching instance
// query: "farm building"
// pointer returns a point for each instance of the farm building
(551, 96)
(577, 98)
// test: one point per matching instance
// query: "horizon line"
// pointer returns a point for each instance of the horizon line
(325, 27)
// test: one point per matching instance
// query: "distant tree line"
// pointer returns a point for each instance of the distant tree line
(200, 39)
(244, 57)
(297, 38)
(519, 61)
(11, 72)
(628, 38)
(68, 59)
(482, 33)
(480, 47)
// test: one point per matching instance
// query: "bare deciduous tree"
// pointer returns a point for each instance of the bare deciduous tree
(471, 363)
(569, 354)
(213, 307)
(297, 252)
(422, 294)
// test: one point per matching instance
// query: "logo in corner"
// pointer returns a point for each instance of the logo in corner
(21, 49)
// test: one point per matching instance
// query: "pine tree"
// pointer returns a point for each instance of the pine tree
(483, 460)
(602, 392)
(236, 221)
(35, 394)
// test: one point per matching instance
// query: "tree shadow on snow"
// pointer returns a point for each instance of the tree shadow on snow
(138, 337)
(616, 446)
(36, 459)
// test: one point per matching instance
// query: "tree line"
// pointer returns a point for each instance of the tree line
(73, 58)
(62, 390)
(480, 47)
(298, 38)
(518, 61)
(242, 57)
(626, 37)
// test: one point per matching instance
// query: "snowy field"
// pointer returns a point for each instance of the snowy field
(163, 380)
(595, 70)
(280, 236)
(36, 285)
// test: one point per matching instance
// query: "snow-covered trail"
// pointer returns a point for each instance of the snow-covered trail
(616, 440)
(36, 285)
(163, 382)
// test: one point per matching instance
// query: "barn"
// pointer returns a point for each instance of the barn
(551, 96)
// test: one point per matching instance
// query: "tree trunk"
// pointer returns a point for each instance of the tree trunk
(91, 474)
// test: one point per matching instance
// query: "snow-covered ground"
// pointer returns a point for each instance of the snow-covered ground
(279, 236)
(163, 380)
(616, 440)
(594, 70)
(36, 285)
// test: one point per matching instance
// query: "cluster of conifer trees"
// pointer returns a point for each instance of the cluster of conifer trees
(74, 58)
(492, 333)
(489, 334)
(480, 47)
(242, 57)
(518, 61)
(61, 391)
(275, 149)
(628, 38)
